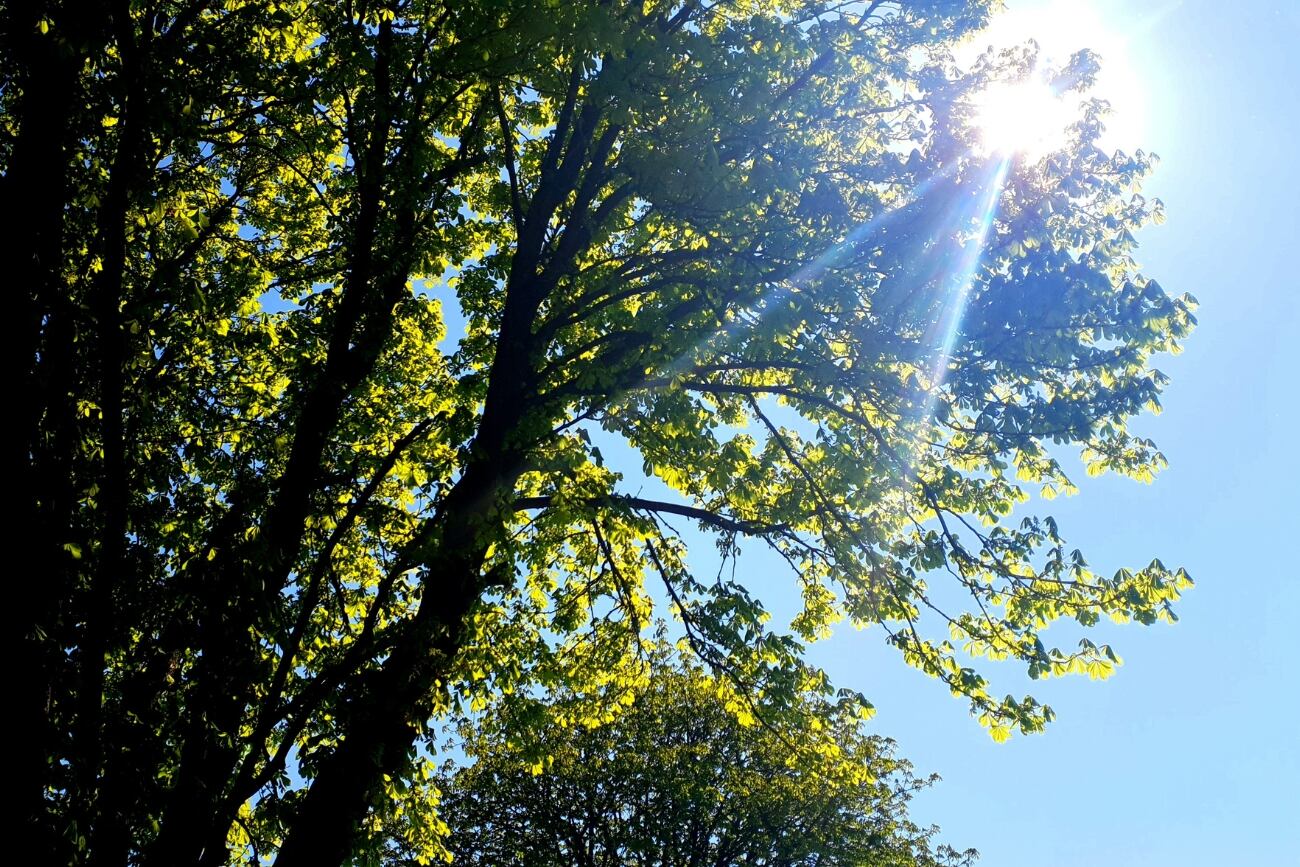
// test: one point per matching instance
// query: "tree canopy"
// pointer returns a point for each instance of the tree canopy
(283, 518)
(677, 780)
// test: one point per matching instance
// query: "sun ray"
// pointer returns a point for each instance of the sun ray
(962, 277)
(807, 273)
(971, 216)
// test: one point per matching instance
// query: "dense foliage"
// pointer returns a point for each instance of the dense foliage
(281, 520)
(677, 780)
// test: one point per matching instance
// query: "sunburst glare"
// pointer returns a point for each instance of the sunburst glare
(1026, 117)
(1060, 28)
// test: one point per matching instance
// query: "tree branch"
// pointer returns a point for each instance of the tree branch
(721, 522)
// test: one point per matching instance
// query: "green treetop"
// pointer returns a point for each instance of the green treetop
(676, 780)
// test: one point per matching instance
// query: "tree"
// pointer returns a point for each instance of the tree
(676, 779)
(282, 523)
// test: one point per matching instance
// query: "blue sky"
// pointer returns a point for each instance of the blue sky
(1190, 755)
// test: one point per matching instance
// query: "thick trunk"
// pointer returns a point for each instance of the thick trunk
(384, 721)
(110, 840)
(388, 710)
(391, 708)
(35, 185)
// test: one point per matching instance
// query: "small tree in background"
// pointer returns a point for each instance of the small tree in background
(677, 780)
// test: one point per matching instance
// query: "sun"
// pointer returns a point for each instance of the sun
(1022, 117)
(1025, 117)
